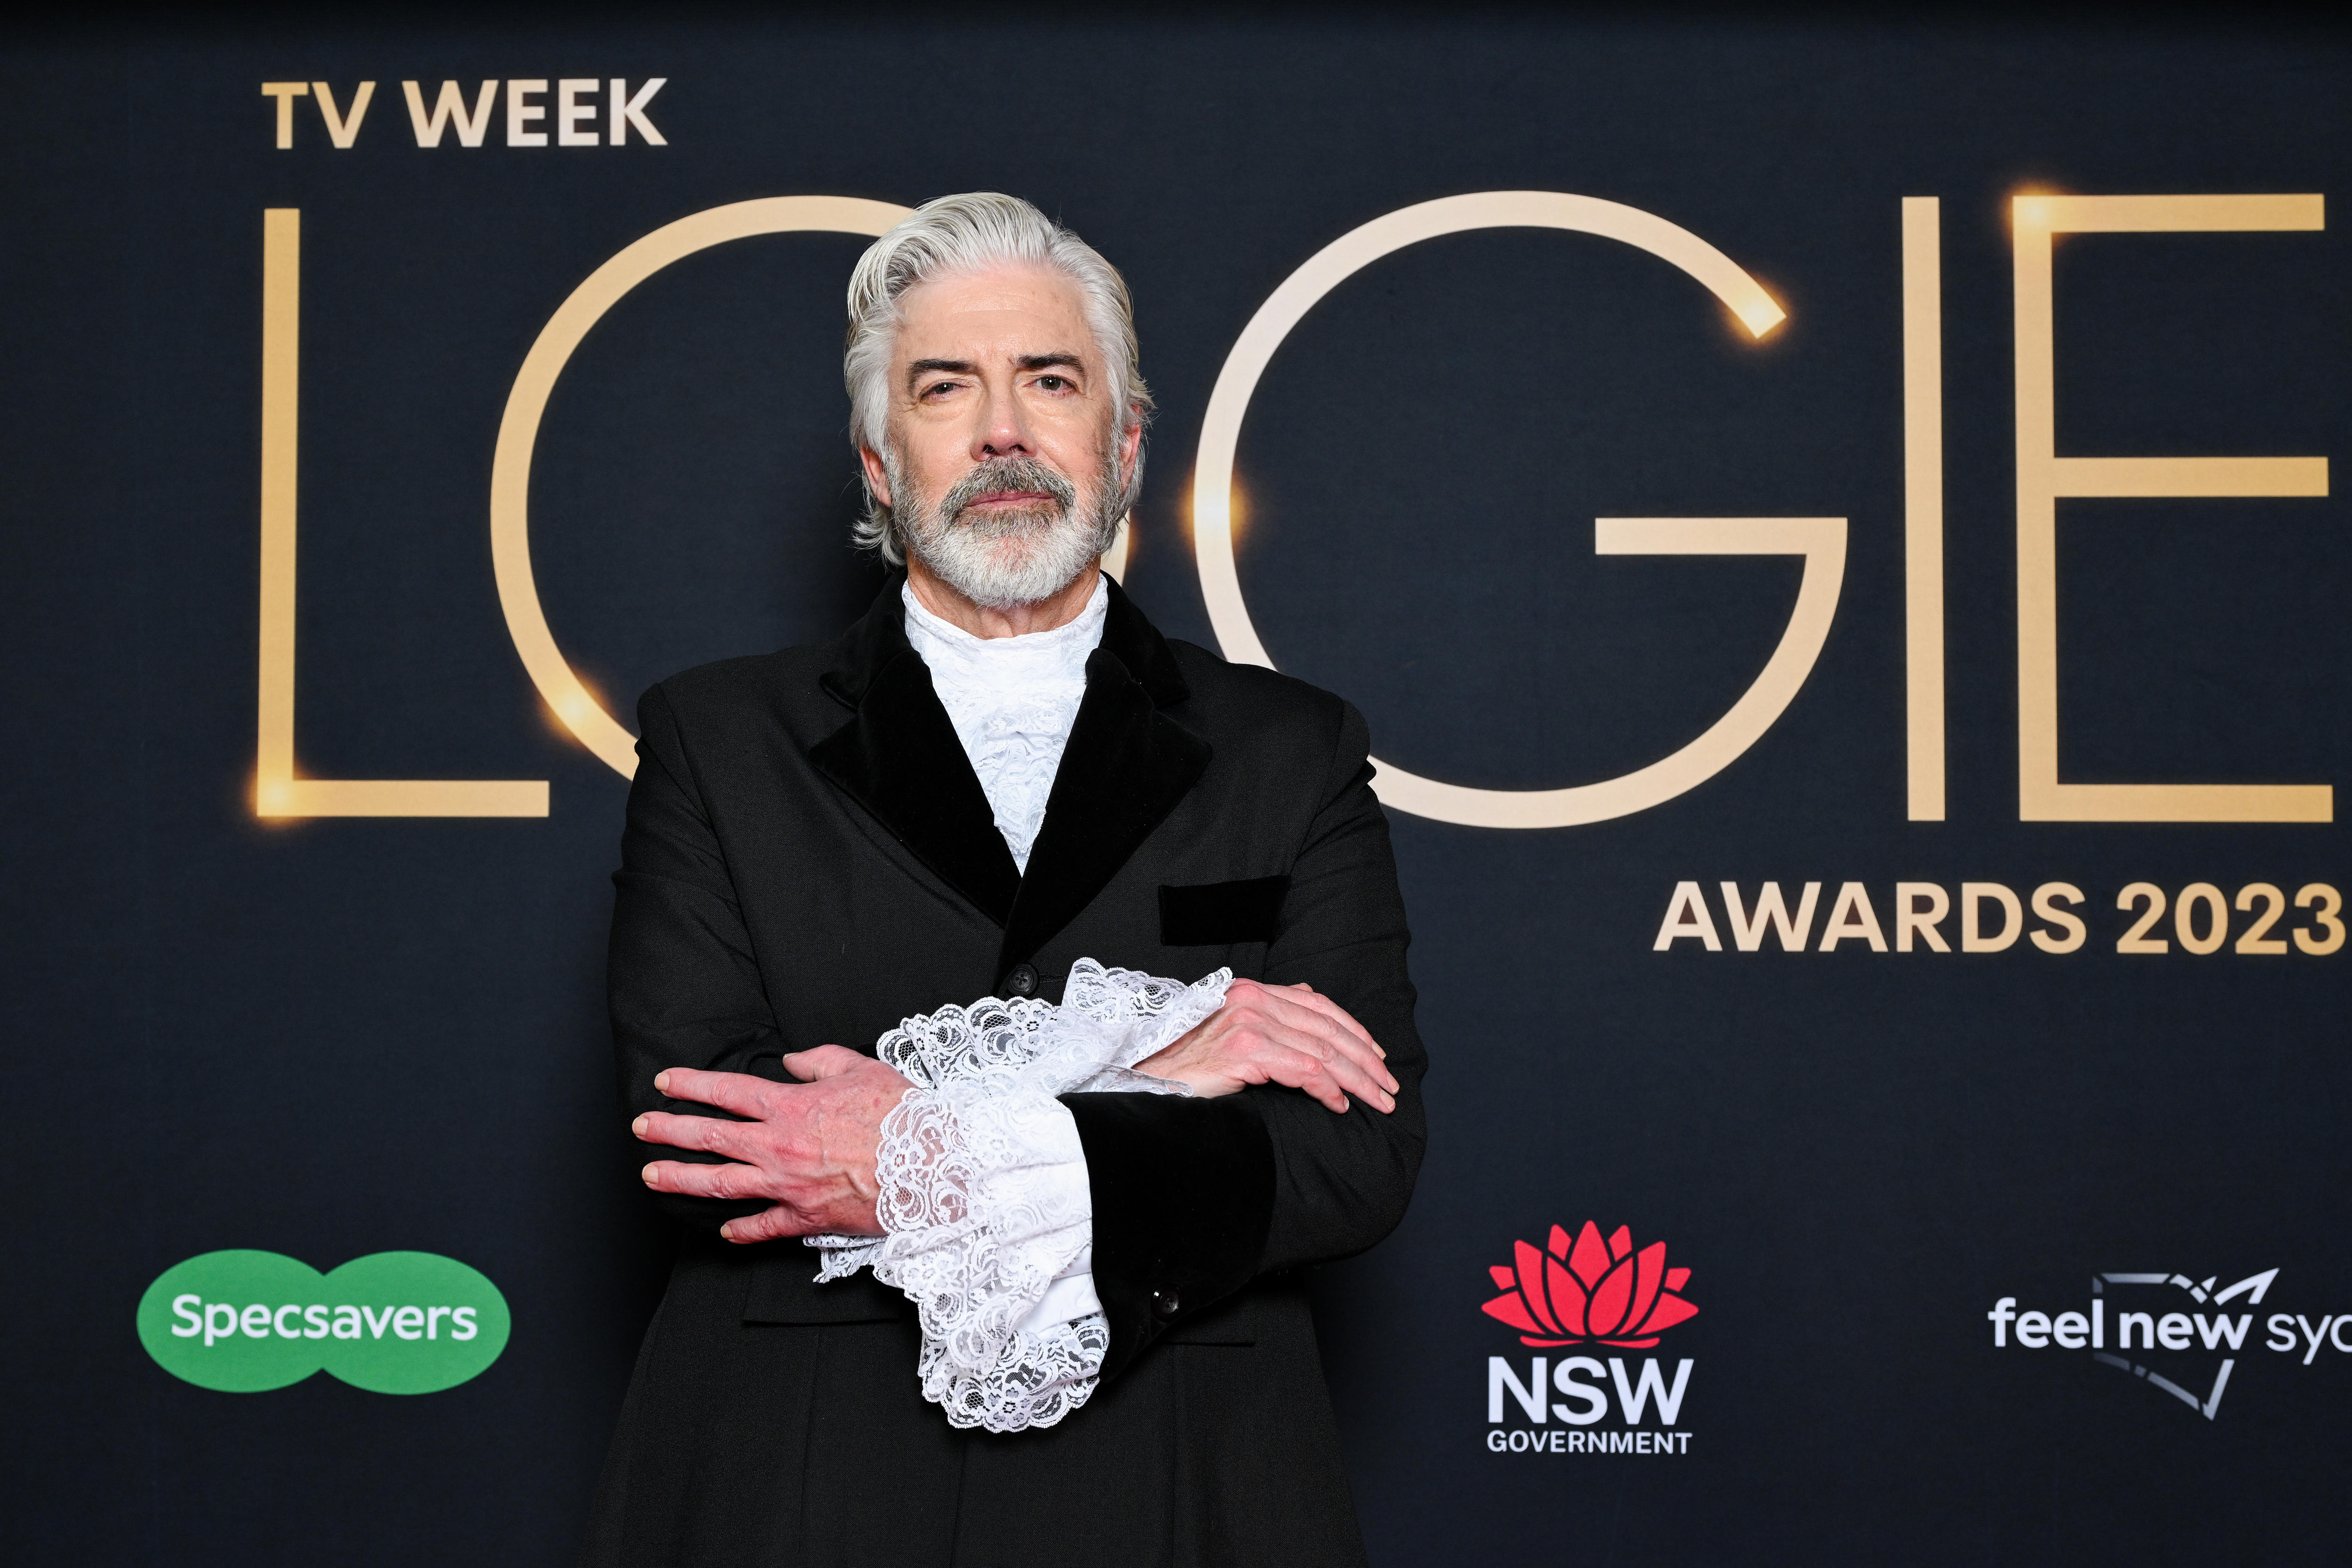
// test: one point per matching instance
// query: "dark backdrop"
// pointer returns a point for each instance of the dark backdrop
(334, 1038)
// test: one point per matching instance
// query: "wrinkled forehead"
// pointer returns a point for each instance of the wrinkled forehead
(996, 316)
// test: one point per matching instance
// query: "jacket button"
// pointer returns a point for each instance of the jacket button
(1164, 1301)
(1021, 981)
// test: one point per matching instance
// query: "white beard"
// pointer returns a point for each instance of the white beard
(1018, 558)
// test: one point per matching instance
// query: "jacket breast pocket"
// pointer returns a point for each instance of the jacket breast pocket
(1221, 914)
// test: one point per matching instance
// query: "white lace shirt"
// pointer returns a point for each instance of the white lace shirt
(1012, 701)
(983, 1200)
(1017, 1166)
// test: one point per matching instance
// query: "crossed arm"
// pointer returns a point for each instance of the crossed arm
(808, 1147)
(1302, 1146)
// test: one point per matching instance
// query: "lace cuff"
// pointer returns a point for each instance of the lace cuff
(984, 1203)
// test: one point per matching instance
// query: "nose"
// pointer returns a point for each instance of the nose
(1003, 432)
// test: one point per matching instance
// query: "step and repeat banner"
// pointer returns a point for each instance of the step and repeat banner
(1834, 529)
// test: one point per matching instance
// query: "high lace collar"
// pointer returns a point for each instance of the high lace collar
(1006, 663)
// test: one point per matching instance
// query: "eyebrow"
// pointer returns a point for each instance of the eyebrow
(951, 366)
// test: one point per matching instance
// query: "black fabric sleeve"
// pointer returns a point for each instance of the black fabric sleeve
(680, 979)
(1181, 1190)
(1189, 1202)
(1342, 1182)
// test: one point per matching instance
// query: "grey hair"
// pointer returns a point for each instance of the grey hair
(957, 236)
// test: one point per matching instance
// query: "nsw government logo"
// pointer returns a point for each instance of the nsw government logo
(1604, 1292)
(2178, 1336)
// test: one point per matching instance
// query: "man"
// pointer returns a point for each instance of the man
(1000, 769)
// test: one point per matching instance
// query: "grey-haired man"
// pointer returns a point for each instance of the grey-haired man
(1001, 771)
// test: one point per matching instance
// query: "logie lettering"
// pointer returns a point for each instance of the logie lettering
(2042, 476)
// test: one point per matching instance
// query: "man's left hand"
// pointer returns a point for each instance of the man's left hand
(806, 1147)
(1280, 1033)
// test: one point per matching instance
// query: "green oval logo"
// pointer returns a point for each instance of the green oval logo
(393, 1322)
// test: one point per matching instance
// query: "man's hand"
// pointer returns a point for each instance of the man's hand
(808, 1147)
(1279, 1034)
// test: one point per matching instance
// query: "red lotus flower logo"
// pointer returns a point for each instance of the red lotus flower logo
(1592, 1290)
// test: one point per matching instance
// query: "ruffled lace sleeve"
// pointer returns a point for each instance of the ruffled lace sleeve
(985, 1210)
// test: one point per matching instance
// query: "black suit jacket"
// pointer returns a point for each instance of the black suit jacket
(809, 858)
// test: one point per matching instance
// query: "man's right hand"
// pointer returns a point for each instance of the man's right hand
(1279, 1034)
(807, 1147)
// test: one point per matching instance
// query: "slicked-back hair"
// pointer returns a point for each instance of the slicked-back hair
(957, 236)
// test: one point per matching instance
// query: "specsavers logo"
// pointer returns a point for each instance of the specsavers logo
(392, 1323)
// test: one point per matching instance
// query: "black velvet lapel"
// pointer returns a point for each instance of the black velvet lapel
(1136, 642)
(1125, 767)
(898, 757)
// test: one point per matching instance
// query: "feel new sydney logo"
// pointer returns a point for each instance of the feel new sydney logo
(1602, 1291)
(2179, 1337)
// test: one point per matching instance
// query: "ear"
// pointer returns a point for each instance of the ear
(1130, 440)
(877, 477)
